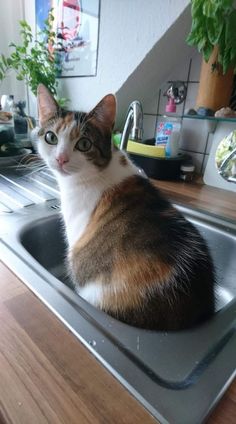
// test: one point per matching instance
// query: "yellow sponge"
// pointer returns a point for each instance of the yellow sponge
(145, 149)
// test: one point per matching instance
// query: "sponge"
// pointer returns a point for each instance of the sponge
(145, 149)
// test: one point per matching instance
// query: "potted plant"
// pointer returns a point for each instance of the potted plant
(33, 59)
(213, 32)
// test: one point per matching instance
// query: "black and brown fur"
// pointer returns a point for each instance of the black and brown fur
(137, 237)
(154, 266)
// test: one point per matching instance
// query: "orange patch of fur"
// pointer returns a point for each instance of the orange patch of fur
(133, 275)
(75, 133)
(63, 122)
(132, 280)
(104, 207)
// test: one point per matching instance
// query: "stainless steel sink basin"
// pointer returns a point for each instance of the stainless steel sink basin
(177, 376)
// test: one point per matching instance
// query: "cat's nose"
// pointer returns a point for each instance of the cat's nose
(62, 158)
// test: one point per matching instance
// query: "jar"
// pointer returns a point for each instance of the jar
(187, 172)
(7, 102)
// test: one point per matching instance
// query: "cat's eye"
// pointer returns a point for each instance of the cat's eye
(51, 138)
(83, 144)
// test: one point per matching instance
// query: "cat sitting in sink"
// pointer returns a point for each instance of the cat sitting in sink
(131, 253)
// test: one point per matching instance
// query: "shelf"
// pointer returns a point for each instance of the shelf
(210, 118)
(199, 117)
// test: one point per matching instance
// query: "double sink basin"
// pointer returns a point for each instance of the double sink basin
(177, 376)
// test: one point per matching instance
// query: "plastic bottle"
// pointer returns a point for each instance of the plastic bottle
(168, 130)
(168, 134)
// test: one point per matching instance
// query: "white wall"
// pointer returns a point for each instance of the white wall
(141, 47)
(10, 13)
(165, 56)
(128, 31)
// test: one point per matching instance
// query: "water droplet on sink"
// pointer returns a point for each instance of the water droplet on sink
(137, 342)
(92, 342)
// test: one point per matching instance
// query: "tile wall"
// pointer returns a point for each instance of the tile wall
(195, 139)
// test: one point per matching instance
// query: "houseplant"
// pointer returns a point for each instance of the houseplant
(32, 59)
(213, 32)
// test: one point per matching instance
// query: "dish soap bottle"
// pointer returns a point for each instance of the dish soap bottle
(168, 131)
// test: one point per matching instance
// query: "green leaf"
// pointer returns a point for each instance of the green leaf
(214, 29)
(9, 61)
(34, 63)
(196, 7)
(62, 101)
(226, 61)
(209, 8)
(214, 24)
(208, 49)
(25, 25)
(4, 59)
(225, 5)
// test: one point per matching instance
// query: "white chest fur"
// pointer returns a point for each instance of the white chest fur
(79, 195)
(77, 203)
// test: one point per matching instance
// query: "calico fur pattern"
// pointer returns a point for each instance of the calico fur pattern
(130, 252)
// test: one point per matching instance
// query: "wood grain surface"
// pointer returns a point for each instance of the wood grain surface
(195, 195)
(48, 376)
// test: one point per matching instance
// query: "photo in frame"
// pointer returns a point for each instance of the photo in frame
(76, 27)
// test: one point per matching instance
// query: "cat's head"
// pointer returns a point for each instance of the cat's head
(73, 142)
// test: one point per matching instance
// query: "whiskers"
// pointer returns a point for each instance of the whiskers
(32, 163)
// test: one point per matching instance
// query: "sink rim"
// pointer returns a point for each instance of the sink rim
(59, 294)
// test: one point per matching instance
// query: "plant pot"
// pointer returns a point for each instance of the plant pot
(215, 89)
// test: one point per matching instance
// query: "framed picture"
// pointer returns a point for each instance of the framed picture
(76, 25)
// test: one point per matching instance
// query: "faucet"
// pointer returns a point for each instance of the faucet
(133, 127)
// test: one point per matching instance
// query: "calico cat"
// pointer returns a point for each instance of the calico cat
(130, 252)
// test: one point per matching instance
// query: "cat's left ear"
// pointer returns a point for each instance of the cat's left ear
(47, 105)
(105, 111)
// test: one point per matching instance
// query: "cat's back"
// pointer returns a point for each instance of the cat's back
(141, 213)
(152, 267)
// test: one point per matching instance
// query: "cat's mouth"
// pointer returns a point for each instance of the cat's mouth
(62, 171)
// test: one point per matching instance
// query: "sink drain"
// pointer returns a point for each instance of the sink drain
(55, 207)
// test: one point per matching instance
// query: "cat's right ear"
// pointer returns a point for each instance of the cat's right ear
(105, 111)
(47, 105)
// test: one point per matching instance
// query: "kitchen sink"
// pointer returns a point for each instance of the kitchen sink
(177, 376)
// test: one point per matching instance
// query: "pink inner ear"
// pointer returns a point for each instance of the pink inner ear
(105, 111)
(46, 104)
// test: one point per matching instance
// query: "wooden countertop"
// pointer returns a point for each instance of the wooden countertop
(196, 195)
(48, 376)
